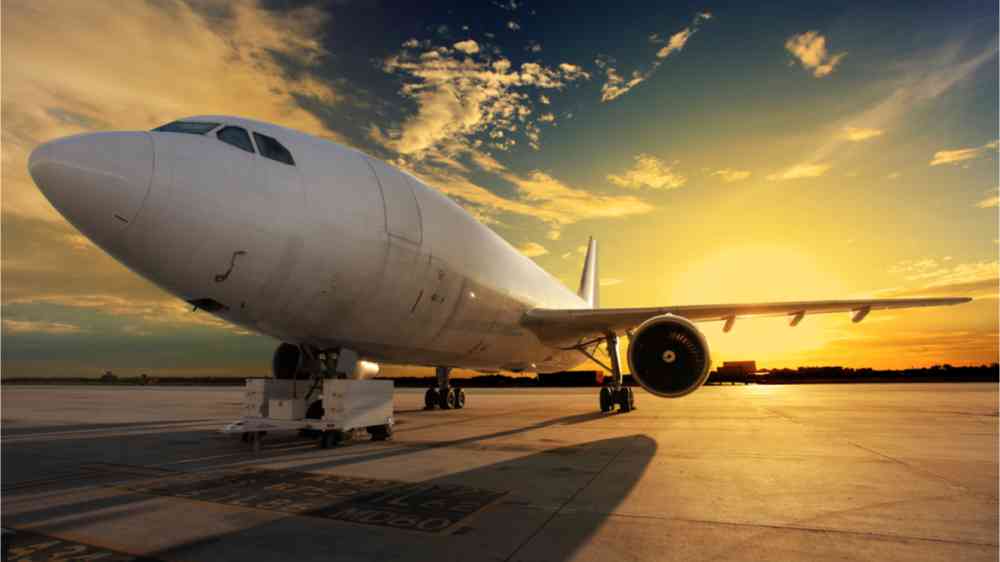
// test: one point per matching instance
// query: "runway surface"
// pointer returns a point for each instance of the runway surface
(810, 472)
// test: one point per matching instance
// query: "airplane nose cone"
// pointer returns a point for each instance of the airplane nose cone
(97, 181)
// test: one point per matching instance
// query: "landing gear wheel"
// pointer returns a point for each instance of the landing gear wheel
(331, 439)
(459, 398)
(431, 398)
(380, 432)
(447, 399)
(626, 399)
(607, 403)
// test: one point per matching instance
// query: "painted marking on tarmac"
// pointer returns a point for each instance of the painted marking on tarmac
(27, 546)
(422, 507)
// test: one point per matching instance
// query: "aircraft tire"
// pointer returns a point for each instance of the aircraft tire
(607, 403)
(431, 398)
(459, 398)
(447, 399)
(624, 400)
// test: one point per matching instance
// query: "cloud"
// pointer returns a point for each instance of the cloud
(616, 84)
(675, 43)
(730, 176)
(799, 171)
(961, 154)
(459, 97)
(538, 195)
(533, 249)
(609, 281)
(894, 176)
(11, 326)
(468, 47)
(930, 277)
(920, 80)
(648, 171)
(992, 201)
(857, 134)
(810, 49)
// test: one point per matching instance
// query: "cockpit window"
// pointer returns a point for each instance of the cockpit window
(271, 148)
(189, 127)
(236, 136)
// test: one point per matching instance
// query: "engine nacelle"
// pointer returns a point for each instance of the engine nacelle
(669, 356)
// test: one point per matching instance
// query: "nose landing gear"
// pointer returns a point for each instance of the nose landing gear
(444, 396)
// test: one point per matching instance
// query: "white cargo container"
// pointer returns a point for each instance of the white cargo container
(330, 408)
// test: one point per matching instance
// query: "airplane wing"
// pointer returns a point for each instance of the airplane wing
(568, 327)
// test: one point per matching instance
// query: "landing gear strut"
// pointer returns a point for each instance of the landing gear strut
(614, 392)
(443, 395)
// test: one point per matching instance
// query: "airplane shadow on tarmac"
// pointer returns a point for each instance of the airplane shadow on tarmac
(541, 506)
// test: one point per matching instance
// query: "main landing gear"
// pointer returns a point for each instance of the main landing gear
(443, 395)
(614, 392)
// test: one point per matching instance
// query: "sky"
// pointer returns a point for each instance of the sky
(718, 153)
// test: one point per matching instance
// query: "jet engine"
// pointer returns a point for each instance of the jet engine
(669, 356)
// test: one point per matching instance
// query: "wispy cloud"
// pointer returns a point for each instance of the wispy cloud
(993, 200)
(729, 176)
(810, 49)
(799, 171)
(11, 326)
(961, 154)
(616, 84)
(649, 172)
(533, 249)
(934, 277)
(858, 134)
(538, 195)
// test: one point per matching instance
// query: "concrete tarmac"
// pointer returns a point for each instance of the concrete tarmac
(809, 472)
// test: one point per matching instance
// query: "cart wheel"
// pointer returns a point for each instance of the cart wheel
(380, 432)
(331, 438)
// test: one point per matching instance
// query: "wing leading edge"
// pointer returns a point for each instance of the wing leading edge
(570, 326)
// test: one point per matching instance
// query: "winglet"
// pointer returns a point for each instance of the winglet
(589, 282)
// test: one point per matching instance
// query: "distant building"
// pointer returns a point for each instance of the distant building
(108, 376)
(734, 372)
(744, 368)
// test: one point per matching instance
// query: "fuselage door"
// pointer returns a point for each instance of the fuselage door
(402, 215)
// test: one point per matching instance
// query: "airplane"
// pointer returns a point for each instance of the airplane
(348, 261)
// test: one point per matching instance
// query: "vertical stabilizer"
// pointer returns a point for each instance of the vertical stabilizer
(589, 281)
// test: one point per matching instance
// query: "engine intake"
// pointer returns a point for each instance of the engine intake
(669, 356)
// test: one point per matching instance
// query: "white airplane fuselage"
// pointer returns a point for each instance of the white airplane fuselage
(337, 250)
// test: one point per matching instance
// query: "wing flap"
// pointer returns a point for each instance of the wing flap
(569, 326)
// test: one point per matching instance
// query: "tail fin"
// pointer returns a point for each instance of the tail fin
(589, 282)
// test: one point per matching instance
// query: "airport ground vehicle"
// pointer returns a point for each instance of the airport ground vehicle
(327, 408)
